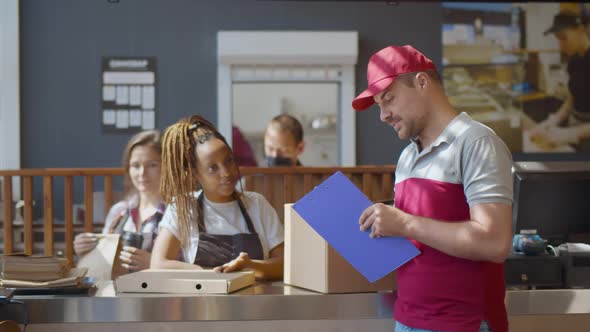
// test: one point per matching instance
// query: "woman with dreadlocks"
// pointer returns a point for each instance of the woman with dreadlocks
(214, 225)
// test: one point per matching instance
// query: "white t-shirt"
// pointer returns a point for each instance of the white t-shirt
(227, 219)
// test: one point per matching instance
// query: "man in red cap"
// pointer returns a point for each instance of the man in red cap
(453, 200)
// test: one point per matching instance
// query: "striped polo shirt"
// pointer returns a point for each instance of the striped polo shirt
(468, 164)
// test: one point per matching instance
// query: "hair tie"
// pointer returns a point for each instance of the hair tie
(194, 126)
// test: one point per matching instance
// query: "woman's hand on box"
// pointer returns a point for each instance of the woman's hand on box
(239, 263)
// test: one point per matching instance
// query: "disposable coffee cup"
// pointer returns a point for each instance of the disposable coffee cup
(132, 239)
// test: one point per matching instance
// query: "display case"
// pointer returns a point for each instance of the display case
(490, 93)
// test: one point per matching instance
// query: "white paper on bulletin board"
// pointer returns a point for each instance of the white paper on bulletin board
(129, 102)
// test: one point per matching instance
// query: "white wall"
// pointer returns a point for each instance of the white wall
(9, 87)
(539, 17)
(255, 104)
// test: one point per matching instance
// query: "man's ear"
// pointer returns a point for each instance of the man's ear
(421, 80)
(300, 148)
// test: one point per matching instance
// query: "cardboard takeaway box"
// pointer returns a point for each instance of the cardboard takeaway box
(311, 263)
(183, 281)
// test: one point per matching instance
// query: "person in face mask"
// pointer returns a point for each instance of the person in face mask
(283, 141)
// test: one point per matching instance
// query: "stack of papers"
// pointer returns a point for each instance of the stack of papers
(38, 271)
(74, 278)
(33, 268)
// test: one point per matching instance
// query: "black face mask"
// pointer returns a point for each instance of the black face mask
(278, 161)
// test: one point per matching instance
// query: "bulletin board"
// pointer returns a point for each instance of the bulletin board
(128, 94)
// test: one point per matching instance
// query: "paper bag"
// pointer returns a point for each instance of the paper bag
(103, 261)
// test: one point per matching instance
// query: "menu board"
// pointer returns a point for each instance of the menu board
(128, 94)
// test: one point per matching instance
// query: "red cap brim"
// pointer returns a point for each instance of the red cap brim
(365, 99)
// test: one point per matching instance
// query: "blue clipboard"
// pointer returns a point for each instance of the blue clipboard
(333, 209)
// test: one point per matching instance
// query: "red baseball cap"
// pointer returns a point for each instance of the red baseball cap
(384, 66)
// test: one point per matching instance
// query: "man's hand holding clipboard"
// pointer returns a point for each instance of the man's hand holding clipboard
(333, 209)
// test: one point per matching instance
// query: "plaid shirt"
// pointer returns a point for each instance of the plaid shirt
(124, 216)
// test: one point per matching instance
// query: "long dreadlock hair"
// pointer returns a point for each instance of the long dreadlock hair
(179, 169)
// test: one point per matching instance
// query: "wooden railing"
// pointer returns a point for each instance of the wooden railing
(48, 176)
(286, 185)
(278, 185)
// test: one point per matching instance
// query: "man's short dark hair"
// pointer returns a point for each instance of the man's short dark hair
(408, 79)
(286, 122)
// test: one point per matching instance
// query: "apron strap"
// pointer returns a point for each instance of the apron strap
(245, 214)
